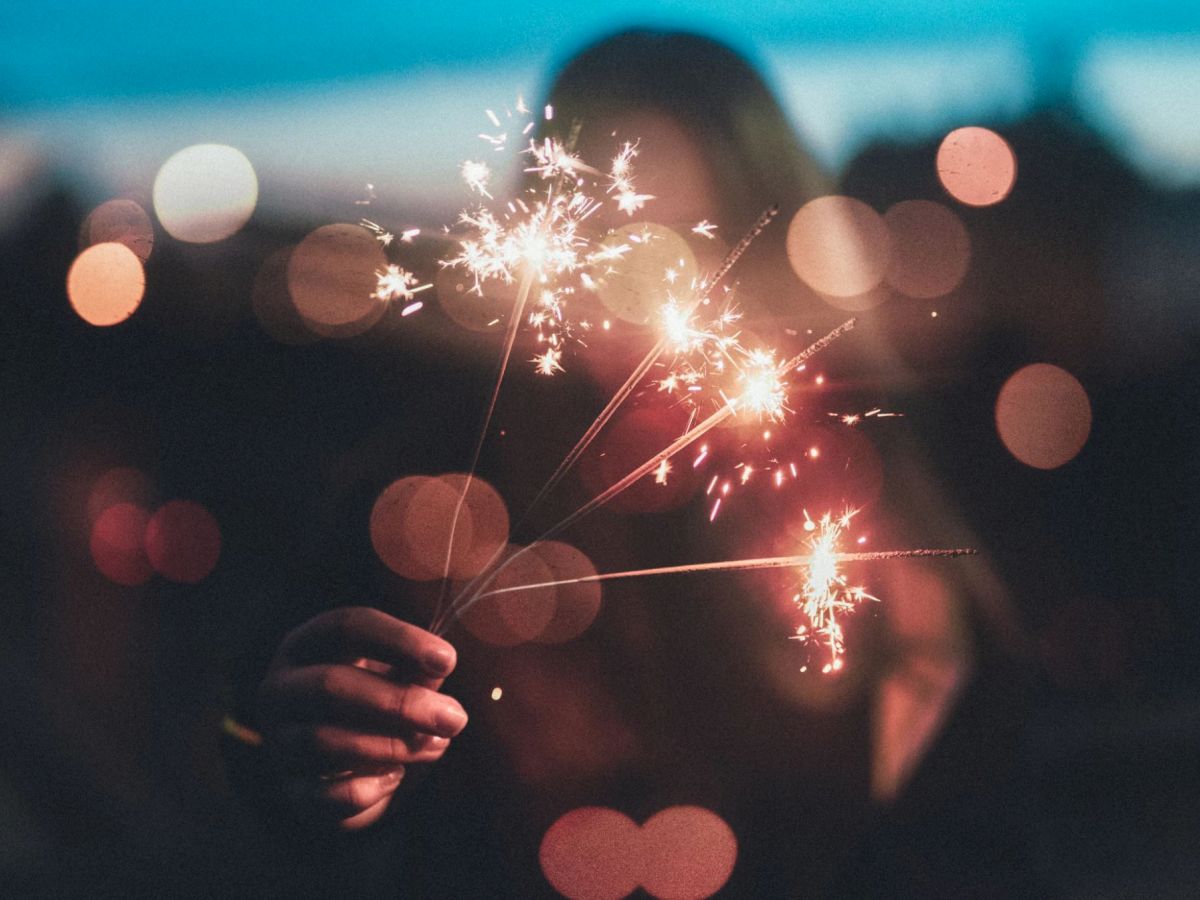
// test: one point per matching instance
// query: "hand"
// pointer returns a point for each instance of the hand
(349, 700)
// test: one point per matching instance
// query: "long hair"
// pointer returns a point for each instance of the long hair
(714, 95)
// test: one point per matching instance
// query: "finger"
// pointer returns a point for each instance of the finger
(353, 696)
(359, 631)
(342, 797)
(331, 748)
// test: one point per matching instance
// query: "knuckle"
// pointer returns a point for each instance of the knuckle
(406, 704)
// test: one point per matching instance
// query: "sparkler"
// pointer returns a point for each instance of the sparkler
(539, 239)
(536, 238)
(464, 602)
(825, 591)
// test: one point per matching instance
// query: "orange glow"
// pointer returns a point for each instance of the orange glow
(575, 605)
(331, 276)
(976, 166)
(489, 524)
(387, 528)
(272, 304)
(120, 221)
(1043, 416)
(592, 853)
(635, 286)
(116, 544)
(105, 284)
(839, 246)
(931, 249)
(510, 619)
(120, 485)
(183, 541)
(205, 193)
(458, 299)
(411, 523)
(687, 852)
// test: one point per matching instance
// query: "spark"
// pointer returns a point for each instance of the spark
(477, 175)
(370, 196)
(853, 419)
(395, 283)
(704, 228)
(825, 592)
(661, 473)
(473, 591)
(547, 363)
(382, 235)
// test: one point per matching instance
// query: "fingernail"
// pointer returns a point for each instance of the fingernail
(389, 777)
(437, 742)
(450, 719)
(439, 661)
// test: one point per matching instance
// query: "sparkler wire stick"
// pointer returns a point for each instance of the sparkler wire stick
(509, 339)
(650, 358)
(631, 382)
(735, 565)
(735, 254)
(459, 607)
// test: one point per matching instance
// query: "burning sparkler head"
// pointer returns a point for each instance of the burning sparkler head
(826, 593)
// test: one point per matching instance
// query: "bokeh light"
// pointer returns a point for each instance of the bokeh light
(331, 276)
(575, 605)
(475, 311)
(489, 524)
(635, 286)
(411, 524)
(1043, 416)
(592, 853)
(122, 484)
(505, 620)
(839, 246)
(976, 166)
(117, 544)
(205, 193)
(105, 284)
(272, 303)
(119, 221)
(183, 541)
(387, 527)
(930, 249)
(688, 852)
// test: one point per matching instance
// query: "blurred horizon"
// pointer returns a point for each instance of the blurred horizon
(324, 101)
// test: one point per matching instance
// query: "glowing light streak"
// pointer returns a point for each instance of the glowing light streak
(694, 433)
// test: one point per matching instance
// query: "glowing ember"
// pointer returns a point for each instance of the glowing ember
(826, 593)
(395, 283)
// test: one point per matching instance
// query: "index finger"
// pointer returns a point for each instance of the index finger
(359, 631)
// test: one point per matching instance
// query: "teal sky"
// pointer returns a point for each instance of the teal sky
(332, 95)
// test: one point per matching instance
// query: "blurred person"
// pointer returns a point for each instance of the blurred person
(655, 705)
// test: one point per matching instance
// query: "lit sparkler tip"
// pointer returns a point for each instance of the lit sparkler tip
(476, 175)
(394, 283)
(547, 363)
